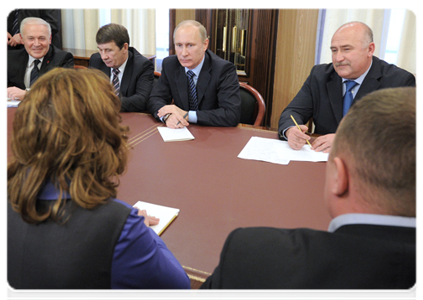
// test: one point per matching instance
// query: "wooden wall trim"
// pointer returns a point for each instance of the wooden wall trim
(295, 53)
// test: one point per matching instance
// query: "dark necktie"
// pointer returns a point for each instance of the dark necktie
(15, 26)
(348, 97)
(116, 81)
(34, 72)
(192, 91)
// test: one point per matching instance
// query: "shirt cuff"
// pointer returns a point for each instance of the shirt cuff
(192, 116)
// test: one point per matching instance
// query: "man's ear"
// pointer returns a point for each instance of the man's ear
(341, 182)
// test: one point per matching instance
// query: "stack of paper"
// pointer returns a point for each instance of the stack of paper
(164, 213)
(13, 103)
(178, 134)
(278, 152)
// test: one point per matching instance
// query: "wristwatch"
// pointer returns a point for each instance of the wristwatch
(165, 118)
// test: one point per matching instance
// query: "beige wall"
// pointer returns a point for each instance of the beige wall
(295, 54)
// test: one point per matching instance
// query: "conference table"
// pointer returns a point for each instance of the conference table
(215, 190)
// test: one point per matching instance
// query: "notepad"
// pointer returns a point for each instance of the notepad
(279, 152)
(164, 213)
(173, 135)
(13, 103)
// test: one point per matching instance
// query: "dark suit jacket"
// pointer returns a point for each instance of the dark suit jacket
(17, 61)
(51, 16)
(137, 80)
(352, 257)
(321, 97)
(217, 88)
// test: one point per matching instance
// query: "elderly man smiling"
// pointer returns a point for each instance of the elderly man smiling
(38, 56)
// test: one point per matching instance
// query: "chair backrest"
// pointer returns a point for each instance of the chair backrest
(156, 76)
(253, 106)
(79, 67)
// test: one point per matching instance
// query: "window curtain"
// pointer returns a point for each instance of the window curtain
(80, 26)
(378, 21)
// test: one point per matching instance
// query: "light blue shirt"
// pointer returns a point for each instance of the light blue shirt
(359, 81)
(192, 115)
(371, 219)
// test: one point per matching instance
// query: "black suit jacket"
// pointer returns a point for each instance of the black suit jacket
(51, 16)
(217, 88)
(137, 80)
(17, 61)
(352, 257)
(321, 96)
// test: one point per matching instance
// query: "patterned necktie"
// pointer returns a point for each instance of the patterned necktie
(192, 91)
(116, 81)
(34, 72)
(348, 97)
(15, 26)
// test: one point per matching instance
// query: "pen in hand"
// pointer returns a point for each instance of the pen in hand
(184, 118)
(299, 128)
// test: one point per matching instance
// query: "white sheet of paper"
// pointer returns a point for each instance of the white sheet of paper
(178, 134)
(13, 103)
(164, 213)
(277, 151)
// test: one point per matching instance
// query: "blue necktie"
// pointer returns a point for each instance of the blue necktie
(34, 73)
(348, 97)
(192, 91)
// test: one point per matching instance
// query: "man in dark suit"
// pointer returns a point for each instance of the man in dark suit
(209, 97)
(370, 192)
(37, 57)
(321, 96)
(134, 76)
(15, 17)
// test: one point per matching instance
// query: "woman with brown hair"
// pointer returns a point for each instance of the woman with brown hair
(65, 227)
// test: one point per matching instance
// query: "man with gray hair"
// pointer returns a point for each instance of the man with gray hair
(25, 66)
(204, 88)
(331, 89)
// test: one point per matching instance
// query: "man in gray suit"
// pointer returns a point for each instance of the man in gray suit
(370, 193)
(322, 95)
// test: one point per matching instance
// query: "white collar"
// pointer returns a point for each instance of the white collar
(371, 219)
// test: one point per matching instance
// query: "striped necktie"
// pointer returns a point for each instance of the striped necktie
(192, 91)
(34, 73)
(15, 26)
(116, 81)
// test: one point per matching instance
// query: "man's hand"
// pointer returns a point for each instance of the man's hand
(176, 118)
(148, 220)
(323, 143)
(15, 40)
(15, 93)
(296, 138)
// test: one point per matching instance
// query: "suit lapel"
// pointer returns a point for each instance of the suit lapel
(182, 86)
(204, 78)
(127, 74)
(45, 66)
(371, 81)
(334, 89)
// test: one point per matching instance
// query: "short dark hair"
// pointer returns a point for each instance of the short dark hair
(378, 137)
(112, 32)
